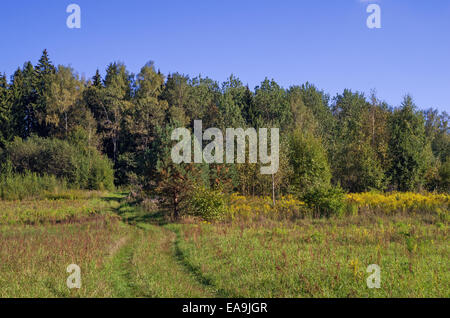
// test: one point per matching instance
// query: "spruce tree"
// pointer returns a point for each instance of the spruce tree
(44, 75)
(97, 79)
(408, 147)
(5, 111)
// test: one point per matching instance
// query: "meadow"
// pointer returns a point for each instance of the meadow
(257, 250)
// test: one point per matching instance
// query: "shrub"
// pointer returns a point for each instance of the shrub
(253, 208)
(444, 177)
(309, 162)
(82, 167)
(28, 185)
(400, 202)
(208, 204)
(326, 200)
(101, 176)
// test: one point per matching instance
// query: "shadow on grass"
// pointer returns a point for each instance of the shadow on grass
(117, 197)
(132, 213)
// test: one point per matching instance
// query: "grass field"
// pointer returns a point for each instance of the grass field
(124, 251)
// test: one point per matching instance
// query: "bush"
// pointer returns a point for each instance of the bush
(208, 204)
(81, 167)
(444, 177)
(257, 207)
(309, 161)
(400, 202)
(101, 176)
(326, 200)
(28, 185)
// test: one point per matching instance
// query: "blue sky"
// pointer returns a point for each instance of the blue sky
(324, 42)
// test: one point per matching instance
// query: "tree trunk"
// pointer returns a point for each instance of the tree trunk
(66, 124)
(273, 188)
(176, 213)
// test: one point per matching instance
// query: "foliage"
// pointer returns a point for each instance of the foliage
(80, 167)
(398, 202)
(408, 147)
(209, 204)
(356, 165)
(309, 163)
(363, 142)
(28, 185)
(172, 183)
(444, 177)
(326, 200)
(253, 208)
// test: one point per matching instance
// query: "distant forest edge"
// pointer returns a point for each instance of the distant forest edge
(60, 130)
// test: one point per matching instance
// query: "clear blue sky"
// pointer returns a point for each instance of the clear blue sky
(325, 42)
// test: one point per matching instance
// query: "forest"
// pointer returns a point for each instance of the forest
(114, 132)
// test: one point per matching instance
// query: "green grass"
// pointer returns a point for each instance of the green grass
(120, 251)
(28, 185)
(320, 258)
(124, 251)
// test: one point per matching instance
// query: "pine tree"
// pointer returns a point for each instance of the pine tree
(176, 93)
(44, 76)
(23, 92)
(45, 66)
(408, 147)
(97, 79)
(172, 183)
(5, 111)
(232, 103)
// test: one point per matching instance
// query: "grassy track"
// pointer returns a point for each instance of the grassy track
(149, 264)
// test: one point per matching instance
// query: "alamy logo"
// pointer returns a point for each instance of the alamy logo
(214, 151)
(374, 19)
(74, 279)
(74, 19)
(374, 280)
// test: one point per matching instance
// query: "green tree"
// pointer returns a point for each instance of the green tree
(172, 183)
(232, 103)
(438, 133)
(176, 93)
(116, 104)
(356, 166)
(317, 102)
(148, 113)
(271, 106)
(97, 79)
(202, 101)
(309, 162)
(444, 177)
(408, 147)
(303, 117)
(63, 97)
(5, 111)
(24, 99)
(45, 71)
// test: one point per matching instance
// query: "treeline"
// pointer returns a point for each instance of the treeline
(352, 141)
